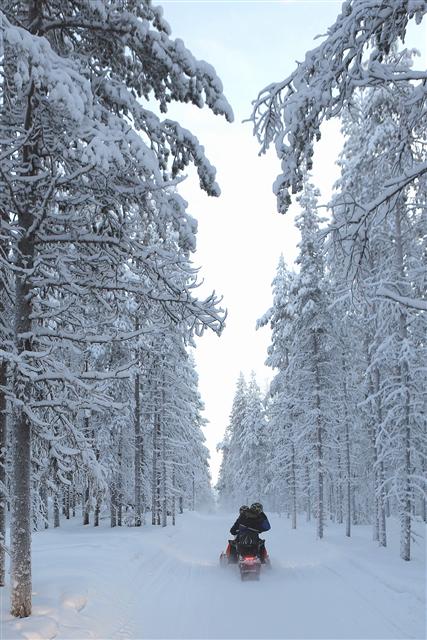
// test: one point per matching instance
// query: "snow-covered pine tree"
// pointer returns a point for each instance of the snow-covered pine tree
(73, 174)
(250, 443)
(230, 482)
(382, 142)
(310, 355)
(290, 113)
(282, 451)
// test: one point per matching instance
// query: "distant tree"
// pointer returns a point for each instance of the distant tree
(251, 445)
(229, 481)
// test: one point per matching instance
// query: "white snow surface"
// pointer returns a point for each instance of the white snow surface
(128, 583)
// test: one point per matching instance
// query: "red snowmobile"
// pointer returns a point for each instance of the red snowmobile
(248, 552)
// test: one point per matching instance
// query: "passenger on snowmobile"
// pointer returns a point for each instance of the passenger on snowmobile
(251, 519)
(231, 551)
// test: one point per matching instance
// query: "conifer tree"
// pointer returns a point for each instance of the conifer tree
(81, 157)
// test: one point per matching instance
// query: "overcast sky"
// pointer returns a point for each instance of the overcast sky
(241, 236)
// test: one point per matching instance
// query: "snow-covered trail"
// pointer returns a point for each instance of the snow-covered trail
(166, 583)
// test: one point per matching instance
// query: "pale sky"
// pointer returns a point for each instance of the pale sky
(241, 236)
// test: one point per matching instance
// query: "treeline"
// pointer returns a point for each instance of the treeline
(99, 404)
(342, 434)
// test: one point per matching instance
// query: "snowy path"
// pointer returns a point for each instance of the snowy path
(151, 583)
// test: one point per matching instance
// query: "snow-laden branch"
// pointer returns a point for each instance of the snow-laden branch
(412, 303)
(352, 56)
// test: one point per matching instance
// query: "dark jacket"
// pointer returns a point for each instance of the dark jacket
(252, 521)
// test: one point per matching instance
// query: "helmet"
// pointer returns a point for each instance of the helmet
(243, 508)
(256, 507)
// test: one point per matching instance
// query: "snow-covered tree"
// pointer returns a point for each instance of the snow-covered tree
(229, 481)
(83, 164)
(380, 142)
(353, 55)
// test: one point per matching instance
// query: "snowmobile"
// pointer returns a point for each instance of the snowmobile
(246, 552)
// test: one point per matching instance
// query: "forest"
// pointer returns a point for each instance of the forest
(100, 305)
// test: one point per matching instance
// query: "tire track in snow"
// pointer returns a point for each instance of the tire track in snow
(402, 633)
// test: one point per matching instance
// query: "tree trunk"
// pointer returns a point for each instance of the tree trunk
(113, 506)
(340, 484)
(380, 490)
(173, 497)
(56, 511)
(354, 514)
(119, 488)
(193, 494)
(21, 583)
(67, 502)
(319, 443)
(159, 471)
(164, 492)
(137, 458)
(96, 512)
(119, 511)
(3, 498)
(376, 415)
(293, 488)
(21, 452)
(86, 505)
(308, 492)
(348, 487)
(44, 502)
(423, 496)
(73, 500)
(405, 499)
(154, 474)
(347, 458)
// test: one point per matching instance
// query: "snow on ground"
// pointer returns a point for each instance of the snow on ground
(126, 583)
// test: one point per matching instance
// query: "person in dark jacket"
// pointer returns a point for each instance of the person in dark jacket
(252, 519)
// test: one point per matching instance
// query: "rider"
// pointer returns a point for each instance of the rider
(231, 550)
(252, 518)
